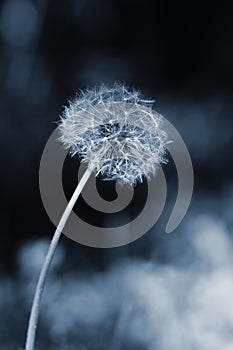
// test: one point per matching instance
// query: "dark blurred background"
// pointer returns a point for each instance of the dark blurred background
(178, 53)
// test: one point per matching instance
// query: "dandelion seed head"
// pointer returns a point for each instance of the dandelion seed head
(116, 131)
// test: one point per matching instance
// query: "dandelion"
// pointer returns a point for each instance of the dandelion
(116, 131)
(120, 137)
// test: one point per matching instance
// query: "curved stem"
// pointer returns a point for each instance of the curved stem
(33, 320)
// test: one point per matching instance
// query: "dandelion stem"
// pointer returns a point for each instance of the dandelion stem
(33, 320)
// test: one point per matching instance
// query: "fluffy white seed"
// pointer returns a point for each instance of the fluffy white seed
(116, 131)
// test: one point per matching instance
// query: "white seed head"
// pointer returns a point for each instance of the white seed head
(116, 131)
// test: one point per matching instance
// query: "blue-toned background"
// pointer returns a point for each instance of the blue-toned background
(161, 292)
